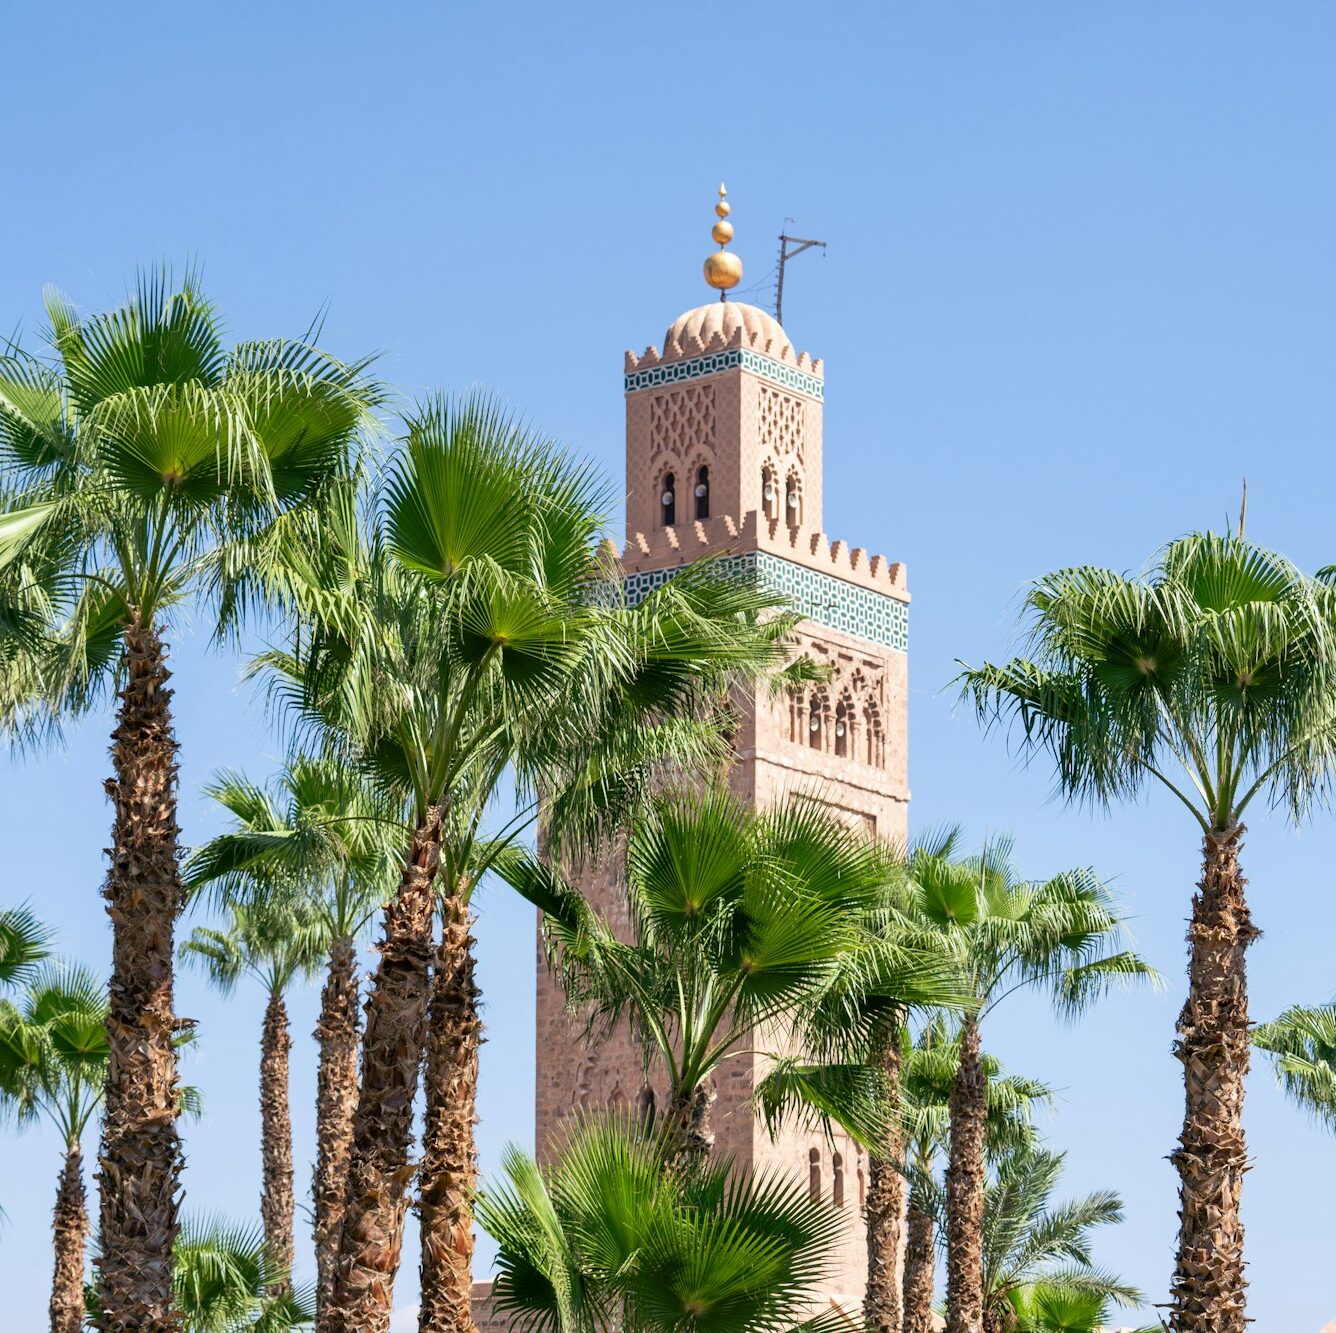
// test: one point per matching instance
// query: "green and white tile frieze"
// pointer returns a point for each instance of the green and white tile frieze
(715, 362)
(828, 600)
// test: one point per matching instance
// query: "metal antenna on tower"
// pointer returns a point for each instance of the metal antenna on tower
(798, 244)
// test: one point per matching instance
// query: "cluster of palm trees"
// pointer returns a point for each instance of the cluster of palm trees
(440, 618)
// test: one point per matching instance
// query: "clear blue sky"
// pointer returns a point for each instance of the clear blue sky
(1081, 280)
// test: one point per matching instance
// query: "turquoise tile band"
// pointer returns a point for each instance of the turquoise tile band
(699, 366)
(829, 601)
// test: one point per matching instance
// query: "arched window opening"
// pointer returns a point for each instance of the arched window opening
(876, 742)
(837, 1180)
(843, 718)
(702, 492)
(617, 1098)
(815, 729)
(814, 1175)
(862, 1187)
(769, 494)
(668, 500)
(793, 501)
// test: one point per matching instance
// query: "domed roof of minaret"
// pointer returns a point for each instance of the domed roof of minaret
(692, 332)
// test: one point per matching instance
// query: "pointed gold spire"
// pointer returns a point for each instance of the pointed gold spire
(723, 269)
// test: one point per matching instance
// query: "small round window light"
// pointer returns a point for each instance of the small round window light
(701, 489)
(768, 494)
(667, 497)
(793, 499)
(839, 728)
(815, 724)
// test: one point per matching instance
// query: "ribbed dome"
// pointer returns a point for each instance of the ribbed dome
(689, 334)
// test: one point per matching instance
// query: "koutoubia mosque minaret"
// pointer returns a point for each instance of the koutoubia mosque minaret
(724, 456)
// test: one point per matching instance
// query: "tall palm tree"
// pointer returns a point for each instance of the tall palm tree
(53, 1064)
(131, 457)
(609, 1239)
(1302, 1047)
(273, 941)
(326, 834)
(226, 1281)
(451, 631)
(739, 921)
(1211, 676)
(1061, 935)
(929, 1066)
(864, 1000)
(1037, 1253)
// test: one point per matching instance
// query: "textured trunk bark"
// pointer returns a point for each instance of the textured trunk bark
(885, 1210)
(378, 1166)
(70, 1234)
(336, 1035)
(140, 1157)
(965, 1189)
(1209, 1288)
(449, 1155)
(690, 1116)
(920, 1261)
(276, 1198)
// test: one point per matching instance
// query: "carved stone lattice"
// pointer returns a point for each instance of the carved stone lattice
(682, 420)
(783, 423)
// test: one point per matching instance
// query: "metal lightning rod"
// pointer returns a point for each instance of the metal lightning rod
(789, 248)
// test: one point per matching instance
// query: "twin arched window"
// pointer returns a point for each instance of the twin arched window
(668, 500)
(793, 501)
(769, 493)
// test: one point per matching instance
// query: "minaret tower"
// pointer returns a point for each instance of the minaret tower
(724, 456)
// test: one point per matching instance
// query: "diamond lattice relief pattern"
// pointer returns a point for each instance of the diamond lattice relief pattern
(782, 423)
(682, 419)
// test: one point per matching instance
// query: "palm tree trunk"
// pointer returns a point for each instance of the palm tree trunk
(965, 1188)
(449, 1154)
(1208, 1287)
(140, 1157)
(920, 1261)
(689, 1114)
(70, 1233)
(276, 1198)
(378, 1166)
(885, 1208)
(336, 1034)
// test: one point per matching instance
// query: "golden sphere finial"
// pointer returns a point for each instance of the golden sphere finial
(723, 269)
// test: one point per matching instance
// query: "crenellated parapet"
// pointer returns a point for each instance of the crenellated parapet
(685, 542)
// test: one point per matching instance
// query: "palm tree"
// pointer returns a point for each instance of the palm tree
(1061, 935)
(24, 943)
(452, 631)
(1302, 1046)
(739, 921)
(132, 457)
(53, 1063)
(929, 1066)
(226, 1281)
(274, 941)
(1037, 1254)
(864, 1001)
(326, 834)
(609, 1239)
(1211, 676)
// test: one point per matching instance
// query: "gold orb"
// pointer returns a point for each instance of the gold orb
(723, 208)
(722, 232)
(723, 270)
